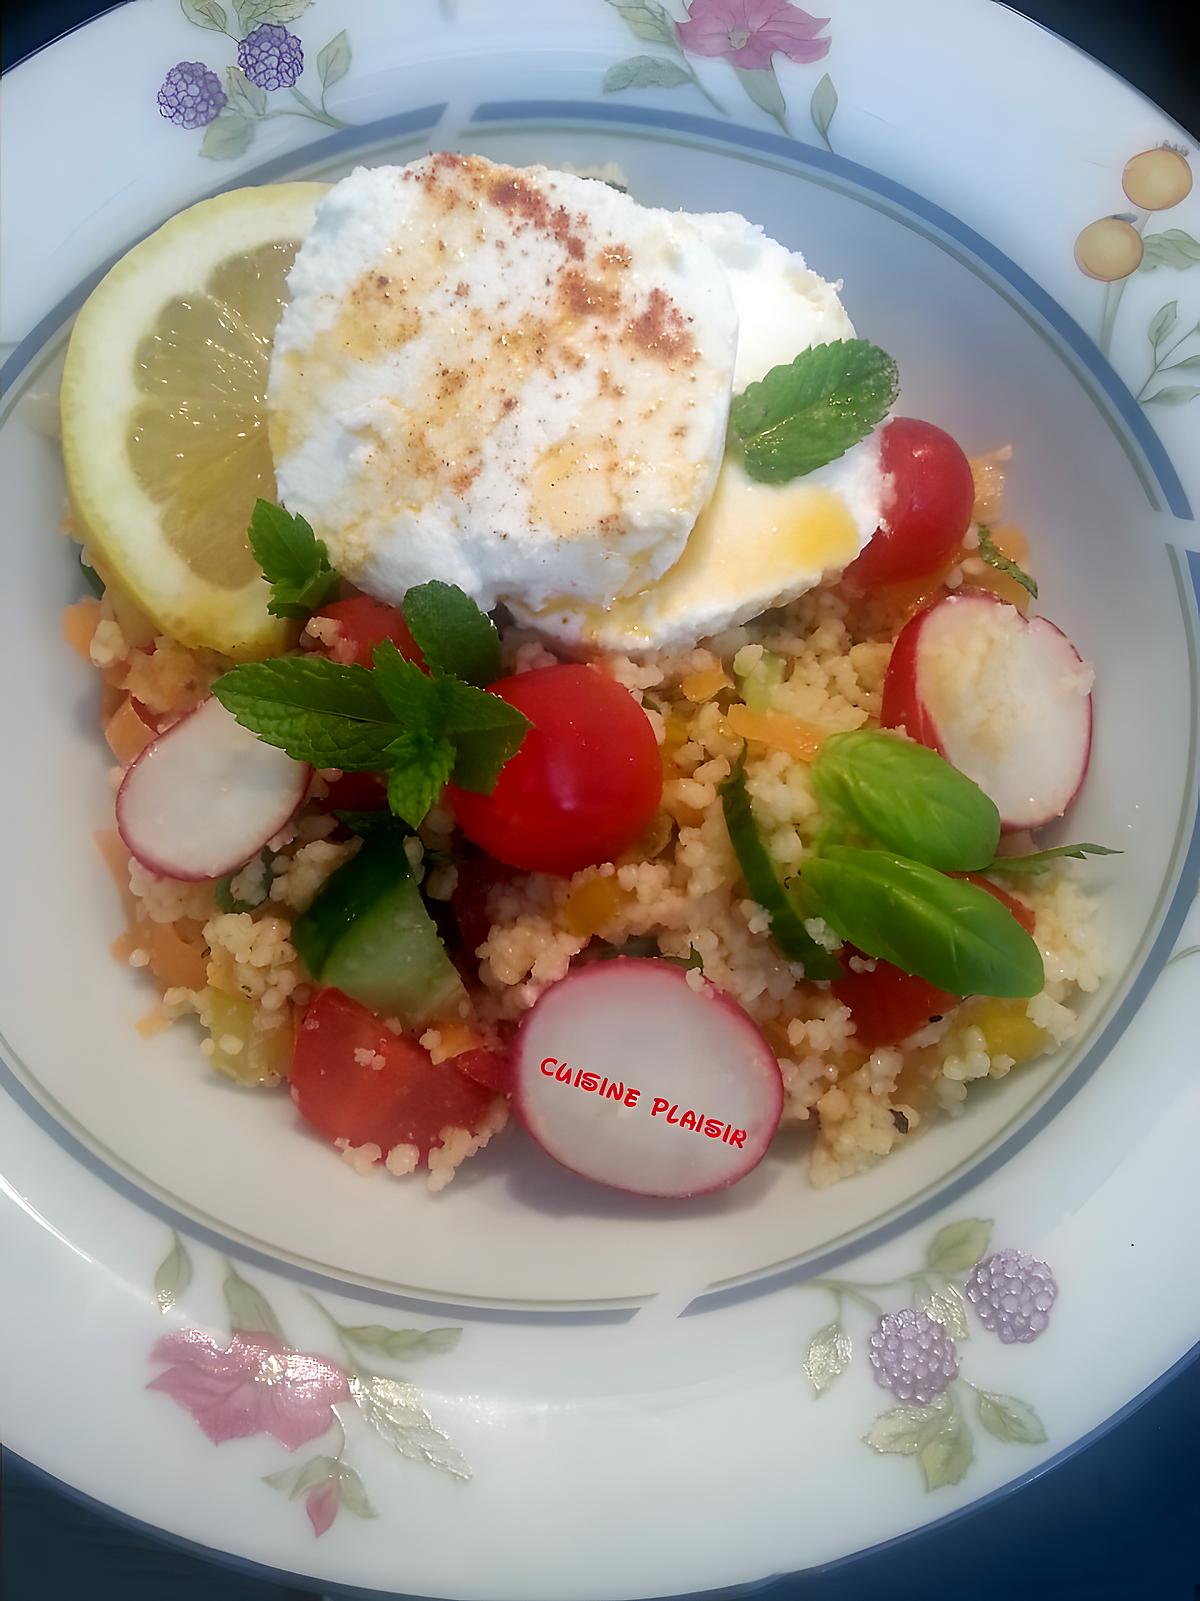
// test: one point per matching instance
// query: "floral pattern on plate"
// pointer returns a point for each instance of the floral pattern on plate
(914, 1350)
(270, 59)
(748, 34)
(260, 1383)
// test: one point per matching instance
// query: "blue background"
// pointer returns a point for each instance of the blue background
(1119, 1521)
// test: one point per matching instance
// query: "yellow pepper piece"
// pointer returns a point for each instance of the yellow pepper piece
(775, 730)
(702, 686)
(1007, 1028)
(242, 1052)
(589, 906)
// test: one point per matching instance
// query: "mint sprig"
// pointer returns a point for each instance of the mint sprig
(419, 729)
(995, 558)
(294, 561)
(811, 411)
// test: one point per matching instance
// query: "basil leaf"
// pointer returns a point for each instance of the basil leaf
(1039, 861)
(454, 635)
(947, 931)
(1002, 564)
(811, 411)
(908, 799)
(787, 924)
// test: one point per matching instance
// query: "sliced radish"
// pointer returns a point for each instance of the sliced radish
(629, 1075)
(207, 794)
(1005, 698)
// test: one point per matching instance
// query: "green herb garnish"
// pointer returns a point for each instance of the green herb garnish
(812, 410)
(294, 561)
(418, 729)
(1039, 861)
(994, 558)
(766, 887)
(454, 635)
(906, 798)
(947, 931)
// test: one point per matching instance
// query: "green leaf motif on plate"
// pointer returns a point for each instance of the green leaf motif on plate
(399, 1343)
(246, 98)
(762, 87)
(1173, 395)
(822, 107)
(205, 14)
(1162, 322)
(228, 136)
(1172, 248)
(1188, 364)
(647, 20)
(946, 1450)
(333, 61)
(645, 72)
(828, 1356)
(352, 1493)
(173, 1276)
(960, 1245)
(248, 1308)
(902, 1430)
(252, 14)
(394, 1411)
(945, 1306)
(1009, 1419)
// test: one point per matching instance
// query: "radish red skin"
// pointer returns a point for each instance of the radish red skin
(129, 830)
(904, 706)
(760, 1059)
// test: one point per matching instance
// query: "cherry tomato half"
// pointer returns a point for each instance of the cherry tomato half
(888, 1005)
(365, 623)
(585, 782)
(928, 510)
(353, 1079)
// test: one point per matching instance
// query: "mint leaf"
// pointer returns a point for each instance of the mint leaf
(454, 635)
(411, 695)
(486, 730)
(294, 561)
(317, 710)
(1039, 861)
(810, 412)
(423, 763)
(994, 558)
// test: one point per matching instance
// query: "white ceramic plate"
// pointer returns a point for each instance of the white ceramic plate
(629, 1392)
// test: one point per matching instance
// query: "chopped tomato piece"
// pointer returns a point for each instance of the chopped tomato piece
(353, 1079)
(364, 623)
(888, 1005)
(357, 792)
(492, 1069)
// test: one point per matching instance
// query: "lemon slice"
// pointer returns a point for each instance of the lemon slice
(164, 413)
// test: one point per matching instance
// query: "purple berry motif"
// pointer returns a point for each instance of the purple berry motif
(912, 1355)
(191, 95)
(1012, 1292)
(271, 57)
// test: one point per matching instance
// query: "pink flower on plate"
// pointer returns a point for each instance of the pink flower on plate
(253, 1386)
(749, 32)
(322, 1505)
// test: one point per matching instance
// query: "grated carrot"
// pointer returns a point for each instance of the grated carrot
(126, 733)
(79, 624)
(775, 730)
(116, 858)
(152, 1023)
